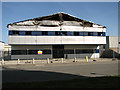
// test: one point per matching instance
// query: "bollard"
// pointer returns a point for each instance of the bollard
(18, 62)
(62, 60)
(74, 59)
(48, 61)
(86, 58)
(3, 62)
(33, 61)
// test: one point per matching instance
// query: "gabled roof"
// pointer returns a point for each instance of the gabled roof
(57, 17)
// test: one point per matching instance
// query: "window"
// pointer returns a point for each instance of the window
(70, 33)
(95, 34)
(51, 33)
(97, 50)
(85, 33)
(10, 32)
(81, 33)
(15, 32)
(22, 33)
(36, 33)
(79, 51)
(64, 33)
(103, 34)
(28, 33)
(46, 51)
(76, 33)
(58, 33)
(44, 32)
(90, 33)
(18, 52)
(32, 52)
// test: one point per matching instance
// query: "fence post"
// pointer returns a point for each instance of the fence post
(18, 62)
(3, 62)
(48, 61)
(33, 62)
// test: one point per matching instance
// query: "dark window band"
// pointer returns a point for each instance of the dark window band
(55, 33)
(35, 52)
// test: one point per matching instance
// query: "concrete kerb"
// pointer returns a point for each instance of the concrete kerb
(49, 61)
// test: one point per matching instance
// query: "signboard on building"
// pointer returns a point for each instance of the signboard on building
(39, 52)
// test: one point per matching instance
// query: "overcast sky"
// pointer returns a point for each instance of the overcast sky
(103, 13)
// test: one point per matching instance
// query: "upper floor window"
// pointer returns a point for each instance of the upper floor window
(51, 33)
(21, 32)
(28, 33)
(76, 33)
(101, 33)
(56, 33)
(70, 33)
(10, 33)
(64, 33)
(85, 34)
(95, 34)
(36, 33)
(44, 32)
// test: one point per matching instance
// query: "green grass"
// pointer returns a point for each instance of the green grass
(95, 82)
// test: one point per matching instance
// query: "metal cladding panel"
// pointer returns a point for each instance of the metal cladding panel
(34, 28)
(64, 28)
(90, 55)
(80, 46)
(57, 40)
(87, 29)
(113, 41)
(1, 46)
(31, 56)
(32, 47)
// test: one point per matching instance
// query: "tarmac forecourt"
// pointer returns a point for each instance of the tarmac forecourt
(55, 61)
(75, 74)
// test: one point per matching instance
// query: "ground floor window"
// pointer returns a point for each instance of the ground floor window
(47, 51)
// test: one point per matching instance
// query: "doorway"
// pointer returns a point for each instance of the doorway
(58, 51)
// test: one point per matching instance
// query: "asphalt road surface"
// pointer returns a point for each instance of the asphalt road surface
(48, 72)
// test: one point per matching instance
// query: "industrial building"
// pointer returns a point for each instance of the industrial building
(58, 35)
(111, 49)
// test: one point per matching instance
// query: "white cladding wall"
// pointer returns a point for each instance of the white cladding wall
(1, 48)
(113, 41)
(57, 40)
(39, 47)
(64, 28)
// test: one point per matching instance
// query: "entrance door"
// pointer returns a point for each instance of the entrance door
(58, 51)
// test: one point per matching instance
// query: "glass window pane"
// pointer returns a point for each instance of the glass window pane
(81, 33)
(103, 34)
(22, 33)
(51, 33)
(44, 32)
(85, 33)
(64, 33)
(28, 33)
(95, 34)
(70, 33)
(76, 33)
(10, 32)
